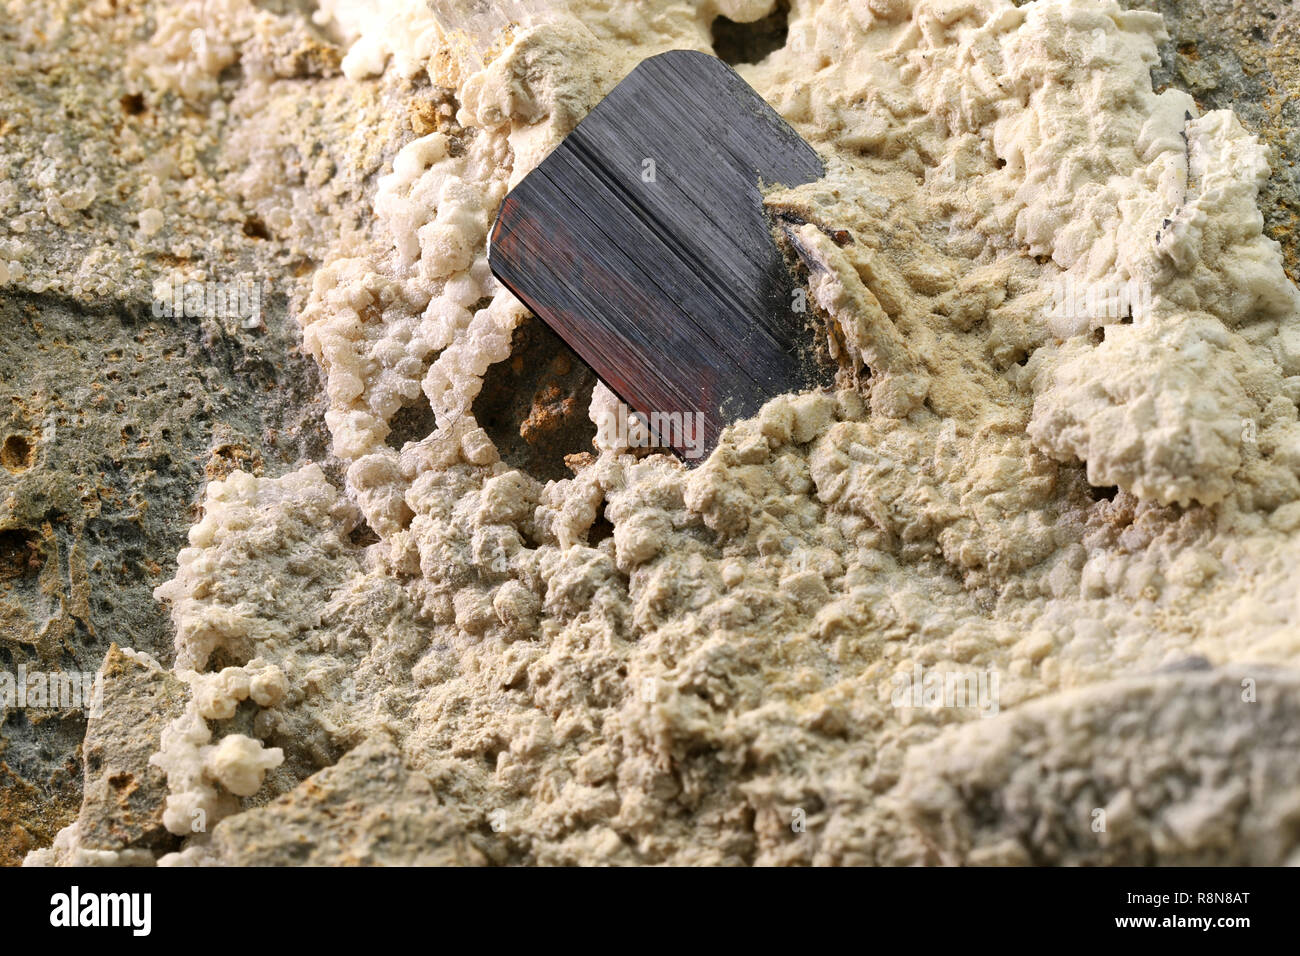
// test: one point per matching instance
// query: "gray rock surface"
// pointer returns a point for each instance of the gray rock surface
(1244, 57)
(124, 794)
(368, 809)
(113, 418)
(1057, 782)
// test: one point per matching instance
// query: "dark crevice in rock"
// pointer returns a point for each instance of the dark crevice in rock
(738, 43)
(534, 404)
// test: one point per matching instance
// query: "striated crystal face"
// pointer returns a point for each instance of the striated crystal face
(643, 241)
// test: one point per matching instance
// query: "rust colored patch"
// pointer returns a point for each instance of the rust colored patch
(552, 410)
(16, 453)
(20, 553)
(29, 818)
(534, 406)
(228, 458)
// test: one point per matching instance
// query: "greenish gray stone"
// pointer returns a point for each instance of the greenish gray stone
(1059, 781)
(367, 810)
(125, 795)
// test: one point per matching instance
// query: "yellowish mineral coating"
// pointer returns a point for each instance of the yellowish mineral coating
(841, 284)
(716, 681)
